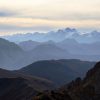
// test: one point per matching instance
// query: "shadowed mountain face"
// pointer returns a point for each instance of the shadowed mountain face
(9, 53)
(38, 83)
(58, 71)
(14, 86)
(86, 89)
(15, 89)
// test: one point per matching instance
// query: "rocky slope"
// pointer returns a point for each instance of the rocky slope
(86, 89)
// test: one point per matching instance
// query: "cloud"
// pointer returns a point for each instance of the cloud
(58, 15)
(13, 29)
(74, 16)
(24, 15)
(28, 24)
(7, 13)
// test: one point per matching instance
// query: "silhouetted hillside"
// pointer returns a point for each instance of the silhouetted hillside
(86, 89)
(16, 89)
(14, 86)
(58, 71)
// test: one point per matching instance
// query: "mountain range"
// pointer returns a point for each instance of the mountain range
(66, 49)
(15, 56)
(43, 66)
(56, 36)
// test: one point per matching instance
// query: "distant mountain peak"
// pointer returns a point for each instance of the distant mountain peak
(70, 30)
(95, 33)
(56, 36)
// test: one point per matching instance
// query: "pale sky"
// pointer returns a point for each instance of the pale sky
(44, 15)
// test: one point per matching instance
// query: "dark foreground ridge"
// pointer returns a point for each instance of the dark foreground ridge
(21, 87)
(15, 86)
(86, 89)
